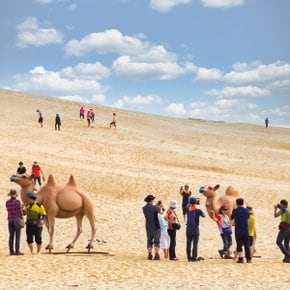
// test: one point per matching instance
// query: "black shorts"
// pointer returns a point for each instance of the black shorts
(40, 120)
(33, 232)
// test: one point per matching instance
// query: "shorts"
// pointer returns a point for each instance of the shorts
(164, 240)
(153, 238)
(33, 232)
(40, 120)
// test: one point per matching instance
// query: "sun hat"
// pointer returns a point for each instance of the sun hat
(31, 194)
(12, 192)
(173, 203)
(149, 198)
(192, 200)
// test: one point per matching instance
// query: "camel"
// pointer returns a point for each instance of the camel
(60, 201)
(213, 203)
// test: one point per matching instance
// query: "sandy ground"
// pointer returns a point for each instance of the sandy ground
(118, 168)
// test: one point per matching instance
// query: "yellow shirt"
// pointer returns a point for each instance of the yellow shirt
(33, 212)
(251, 225)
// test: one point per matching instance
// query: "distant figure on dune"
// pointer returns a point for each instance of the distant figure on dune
(185, 193)
(267, 122)
(82, 113)
(37, 173)
(89, 118)
(92, 115)
(57, 122)
(21, 169)
(40, 118)
(114, 121)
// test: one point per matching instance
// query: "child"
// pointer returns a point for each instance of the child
(224, 226)
(164, 237)
(252, 231)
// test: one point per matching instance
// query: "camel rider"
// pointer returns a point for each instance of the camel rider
(35, 216)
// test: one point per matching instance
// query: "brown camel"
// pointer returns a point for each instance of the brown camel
(213, 203)
(60, 201)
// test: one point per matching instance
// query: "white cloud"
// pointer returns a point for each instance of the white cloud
(109, 41)
(139, 101)
(72, 7)
(29, 33)
(125, 67)
(166, 5)
(93, 71)
(177, 109)
(282, 111)
(40, 80)
(222, 3)
(256, 72)
(231, 92)
(45, 1)
(226, 103)
(74, 98)
(205, 74)
(99, 99)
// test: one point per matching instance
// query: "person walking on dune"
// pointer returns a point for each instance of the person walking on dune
(57, 122)
(82, 113)
(21, 169)
(267, 122)
(114, 121)
(37, 171)
(89, 118)
(40, 118)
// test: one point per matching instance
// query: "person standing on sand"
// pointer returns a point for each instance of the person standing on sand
(171, 217)
(35, 216)
(252, 230)
(82, 113)
(89, 118)
(267, 122)
(57, 122)
(185, 193)
(164, 238)
(240, 216)
(114, 121)
(37, 171)
(14, 209)
(282, 209)
(152, 227)
(21, 169)
(40, 118)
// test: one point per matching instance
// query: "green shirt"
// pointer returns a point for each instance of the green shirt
(34, 212)
(285, 216)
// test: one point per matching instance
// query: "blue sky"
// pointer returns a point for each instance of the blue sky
(212, 59)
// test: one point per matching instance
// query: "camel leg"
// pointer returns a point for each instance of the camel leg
(79, 219)
(50, 227)
(91, 219)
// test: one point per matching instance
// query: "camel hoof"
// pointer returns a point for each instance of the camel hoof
(49, 248)
(69, 247)
(89, 247)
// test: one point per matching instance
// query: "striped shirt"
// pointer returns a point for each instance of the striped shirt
(14, 209)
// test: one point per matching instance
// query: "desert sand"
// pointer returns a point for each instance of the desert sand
(118, 168)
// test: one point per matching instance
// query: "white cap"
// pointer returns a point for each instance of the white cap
(173, 203)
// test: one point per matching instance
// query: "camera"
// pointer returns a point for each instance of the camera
(197, 201)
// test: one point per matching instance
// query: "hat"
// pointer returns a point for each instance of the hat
(192, 200)
(173, 203)
(149, 198)
(12, 192)
(30, 194)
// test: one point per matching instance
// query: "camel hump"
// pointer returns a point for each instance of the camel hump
(231, 191)
(50, 181)
(72, 181)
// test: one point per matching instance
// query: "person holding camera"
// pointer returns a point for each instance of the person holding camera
(185, 193)
(192, 229)
(152, 226)
(283, 238)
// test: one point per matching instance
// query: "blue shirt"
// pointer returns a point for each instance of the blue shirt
(151, 216)
(241, 216)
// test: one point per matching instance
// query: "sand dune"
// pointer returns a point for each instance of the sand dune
(146, 154)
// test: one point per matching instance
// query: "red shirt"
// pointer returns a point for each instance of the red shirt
(36, 170)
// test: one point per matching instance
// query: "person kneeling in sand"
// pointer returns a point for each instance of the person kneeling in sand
(152, 227)
(36, 215)
(164, 238)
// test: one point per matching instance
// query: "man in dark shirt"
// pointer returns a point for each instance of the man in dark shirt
(21, 169)
(152, 226)
(240, 215)
(192, 229)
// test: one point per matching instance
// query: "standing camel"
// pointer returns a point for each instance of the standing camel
(60, 201)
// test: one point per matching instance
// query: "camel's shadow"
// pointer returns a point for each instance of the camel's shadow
(82, 253)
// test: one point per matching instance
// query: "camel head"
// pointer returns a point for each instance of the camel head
(25, 181)
(209, 191)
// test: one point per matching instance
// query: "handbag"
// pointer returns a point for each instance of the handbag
(19, 223)
(176, 226)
